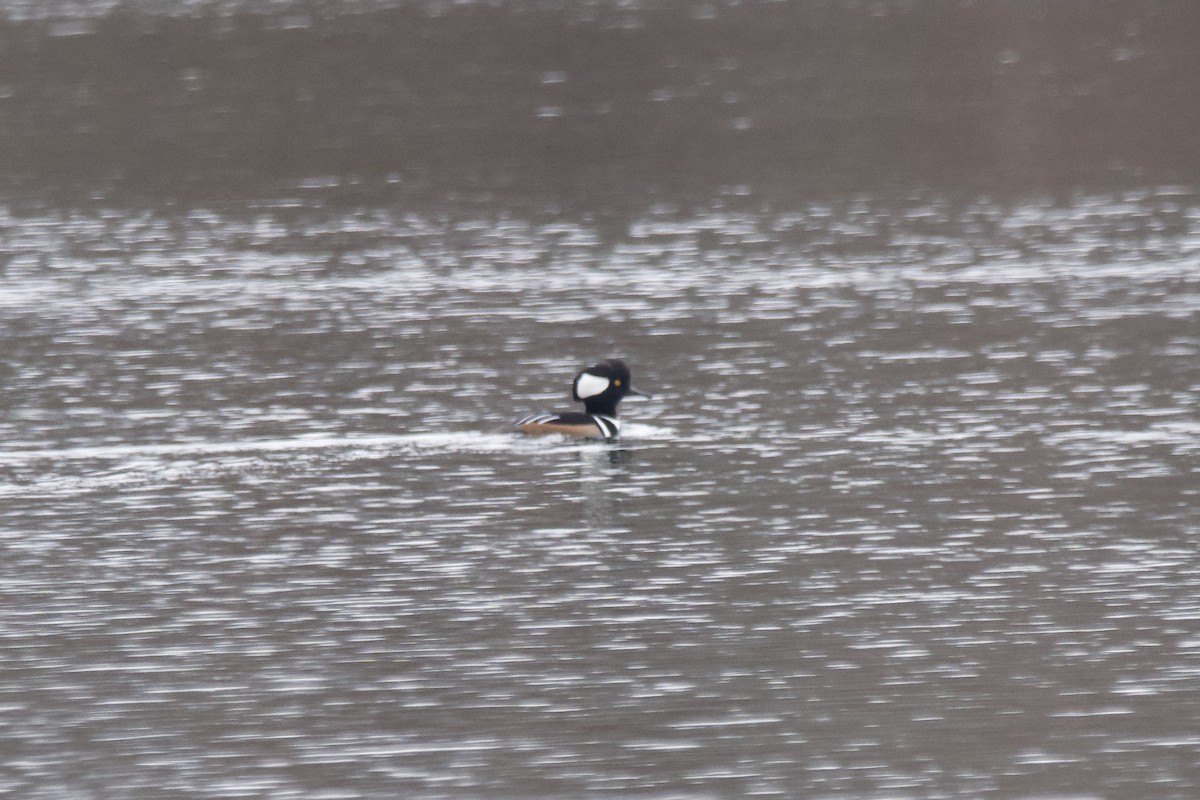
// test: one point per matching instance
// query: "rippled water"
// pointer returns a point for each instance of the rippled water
(913, 514)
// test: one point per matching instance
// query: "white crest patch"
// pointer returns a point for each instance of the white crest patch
(589, 385)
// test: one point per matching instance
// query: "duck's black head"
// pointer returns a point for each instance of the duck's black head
(602, 386)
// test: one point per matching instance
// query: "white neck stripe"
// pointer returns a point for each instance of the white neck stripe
(607, 425)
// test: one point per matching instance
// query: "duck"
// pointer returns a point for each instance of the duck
(600, 387)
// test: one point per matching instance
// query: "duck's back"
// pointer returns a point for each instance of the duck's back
(569, 423)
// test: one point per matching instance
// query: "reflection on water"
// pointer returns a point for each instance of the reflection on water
(913, 515)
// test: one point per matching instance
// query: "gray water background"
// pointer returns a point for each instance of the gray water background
(913, 513)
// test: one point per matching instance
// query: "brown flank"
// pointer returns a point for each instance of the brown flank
(586, 431)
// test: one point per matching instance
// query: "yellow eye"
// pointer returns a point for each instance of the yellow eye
(617, 382)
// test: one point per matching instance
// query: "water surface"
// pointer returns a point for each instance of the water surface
(913, 514)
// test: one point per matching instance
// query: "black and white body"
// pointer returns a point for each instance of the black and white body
(600, 388)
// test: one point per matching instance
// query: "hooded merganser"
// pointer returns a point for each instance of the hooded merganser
(599, 388)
